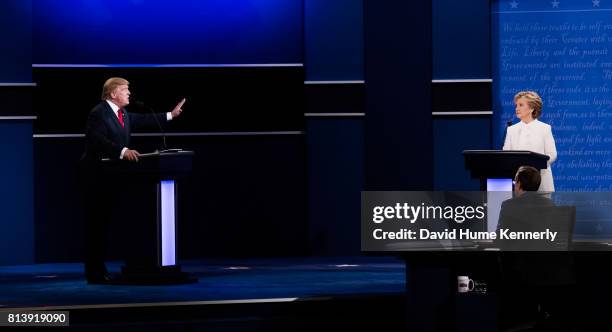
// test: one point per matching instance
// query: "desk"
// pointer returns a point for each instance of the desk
(431, 284)
(431, 288)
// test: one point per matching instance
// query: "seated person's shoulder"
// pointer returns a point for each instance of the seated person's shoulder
(533, 199)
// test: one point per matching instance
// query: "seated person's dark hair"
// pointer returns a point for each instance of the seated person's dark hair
(529, 178)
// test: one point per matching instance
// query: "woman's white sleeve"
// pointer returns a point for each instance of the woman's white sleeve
(508, 141)
(549, 146)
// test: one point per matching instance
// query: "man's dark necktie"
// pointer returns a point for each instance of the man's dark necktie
(120, 114)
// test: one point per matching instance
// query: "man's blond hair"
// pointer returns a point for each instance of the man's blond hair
(110, 85)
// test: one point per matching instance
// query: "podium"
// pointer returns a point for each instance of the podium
(151, 258)
(495, 167)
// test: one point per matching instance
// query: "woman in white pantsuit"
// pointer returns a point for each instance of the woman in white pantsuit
(531, 134)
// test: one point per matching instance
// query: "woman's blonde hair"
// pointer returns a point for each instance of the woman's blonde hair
(533, 100)
(111, 84)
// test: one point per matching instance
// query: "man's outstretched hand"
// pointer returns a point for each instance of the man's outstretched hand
(177, 109)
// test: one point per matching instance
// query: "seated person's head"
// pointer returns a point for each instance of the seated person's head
(527, 178)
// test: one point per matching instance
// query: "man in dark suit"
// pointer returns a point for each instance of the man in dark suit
(108, 136)
(533, 277)
(512, 214)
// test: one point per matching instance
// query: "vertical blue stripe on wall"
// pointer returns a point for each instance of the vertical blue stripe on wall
(16, 46)
(333, 39)
(397, 69)
(16, 193)
(336, 178)
(16, 168)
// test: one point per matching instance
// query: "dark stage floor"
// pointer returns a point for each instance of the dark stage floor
(63, 285)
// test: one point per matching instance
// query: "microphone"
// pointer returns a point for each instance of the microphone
(142, 105)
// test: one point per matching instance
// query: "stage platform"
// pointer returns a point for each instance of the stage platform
(248, 294)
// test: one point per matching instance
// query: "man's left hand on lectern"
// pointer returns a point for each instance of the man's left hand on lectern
(131, 155)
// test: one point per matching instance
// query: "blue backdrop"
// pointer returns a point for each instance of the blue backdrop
(167, 32)
(561, 49)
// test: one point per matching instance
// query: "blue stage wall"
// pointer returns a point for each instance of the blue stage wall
(336, 179)
(461, 42)
(333, 39)
(398, 125)
(460, 39)
(16, 168)
(167, 32)
(452, 135)
(333, 51)
(327, 36)
(563, 51)
(16, 47)
(16, 193)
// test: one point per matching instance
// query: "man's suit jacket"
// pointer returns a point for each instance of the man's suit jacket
(105, 138)
(520, 263)
(513, 211)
